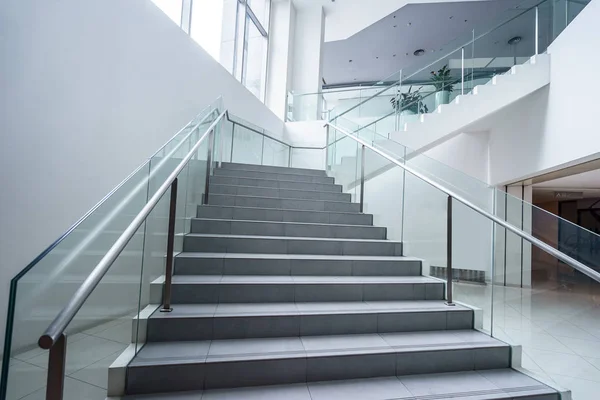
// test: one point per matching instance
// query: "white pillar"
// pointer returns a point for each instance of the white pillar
(308, 61)
(281, 44)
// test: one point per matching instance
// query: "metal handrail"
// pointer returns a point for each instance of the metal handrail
(524, 235)
(56, 329)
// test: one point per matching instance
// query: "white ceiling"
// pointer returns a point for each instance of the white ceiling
(435, 27)
(585, 180)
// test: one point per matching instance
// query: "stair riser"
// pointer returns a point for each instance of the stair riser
(200, 293)
(284, 204)
(272, 169)
(264, 214)
(267, 183)
(240, 266)
(275, 176)
(279, 193)
(214, 375)
(244, 327)
(286, 229)
(290, 246)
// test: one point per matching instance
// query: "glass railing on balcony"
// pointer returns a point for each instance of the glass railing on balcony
(532, 276)
(440, 75)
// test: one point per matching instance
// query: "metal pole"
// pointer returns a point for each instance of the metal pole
(537, 49)
(462, 70)
(449, 301)
(56, 369)
(208, 164)
(170, 248)
(291, 155)
(221, 134)
(362, 179)
(262, 153)
(232, 141)
(327, 150)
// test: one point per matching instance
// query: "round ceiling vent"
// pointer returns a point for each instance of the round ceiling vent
(419, 52)
(514, 40)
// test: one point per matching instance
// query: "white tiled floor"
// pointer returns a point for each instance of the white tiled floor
(89, 354)
(558, 327)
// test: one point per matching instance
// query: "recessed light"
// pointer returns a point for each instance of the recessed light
(394, 16)
(354, 78)
(377, 58)
(419, 52)
(349, 60)
(514, 40)
(395, 26)
(406, 53)
(450, 17)
(465, 20)
(394, 55)
(409, 24)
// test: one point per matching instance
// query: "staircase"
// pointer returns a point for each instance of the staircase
(285, 291)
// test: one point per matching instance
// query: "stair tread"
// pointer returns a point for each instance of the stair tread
(294, 280)
(284, 209)
(212, 177)
(218, 235)
(231, 350)
(276, 198)
(249, 221)
(262, 187)
(496, 384)
(190, 254)
(282, 172)
(304, 308)
(257, 168)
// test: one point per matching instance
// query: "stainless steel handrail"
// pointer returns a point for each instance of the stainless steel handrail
(59, 324)
(524, 235)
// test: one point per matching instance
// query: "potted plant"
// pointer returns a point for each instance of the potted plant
(409, 103)
(443, 85)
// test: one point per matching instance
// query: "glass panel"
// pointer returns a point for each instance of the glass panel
(247, 146)
(228, 34)
(275, 153)
(206, 25)
(241, 44)
(255, 58)
(261, 9)
(172, 8)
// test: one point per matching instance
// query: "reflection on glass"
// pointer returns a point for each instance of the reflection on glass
(255, 58)
(261, 9)
(170, 7)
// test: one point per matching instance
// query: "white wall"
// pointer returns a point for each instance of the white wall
(307, 134)
(89, 90)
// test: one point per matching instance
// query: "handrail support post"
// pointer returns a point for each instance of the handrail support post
(211, 139)
(362, 178)
(170, 249)
(449, 272)
(55, 384)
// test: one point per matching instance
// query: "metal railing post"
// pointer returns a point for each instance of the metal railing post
(56, 369)
(537, 33)
(327, 150)
(362, 178)
(170, 248)
(211, 139)
(449, 274)
(462, 71)
(232, 141)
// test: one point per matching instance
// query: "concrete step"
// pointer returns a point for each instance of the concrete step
(273, 214)
(274, 183)
(281, 203)
(212, 364)
(276, 176)
(294, 265)
(497, 384)
(272, 169)
(242, 321)
(278, 193)
(275, 228)
(197, 242)
(280, 289)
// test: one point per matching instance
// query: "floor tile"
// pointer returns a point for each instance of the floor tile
(581, 389)
(24, 379)
(97, 373)
(118, 333)
(564, 364)
(359, 389)
(27, 355)
(508, 378)
(287, 392)
(83, 353)
(195, 395)
(74, 390)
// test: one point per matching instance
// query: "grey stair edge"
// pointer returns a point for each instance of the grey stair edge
(514, 391)
(265, 280)
(426, 306)
(285, 209)
(257, 221)
(263, 187)
(274, 180)
(225, 164)
(383, 347)
(300, 238)
(277, 198)
(196, 254)
(239, 173)
(278, 173)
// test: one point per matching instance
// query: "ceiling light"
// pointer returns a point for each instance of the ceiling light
(394, 55)
(395, 26)
(514, 40)
(465, 20)
(419, 52)
(349, 60)
(409, 24)
(377, 58)
(394, 16)
(450, 17)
